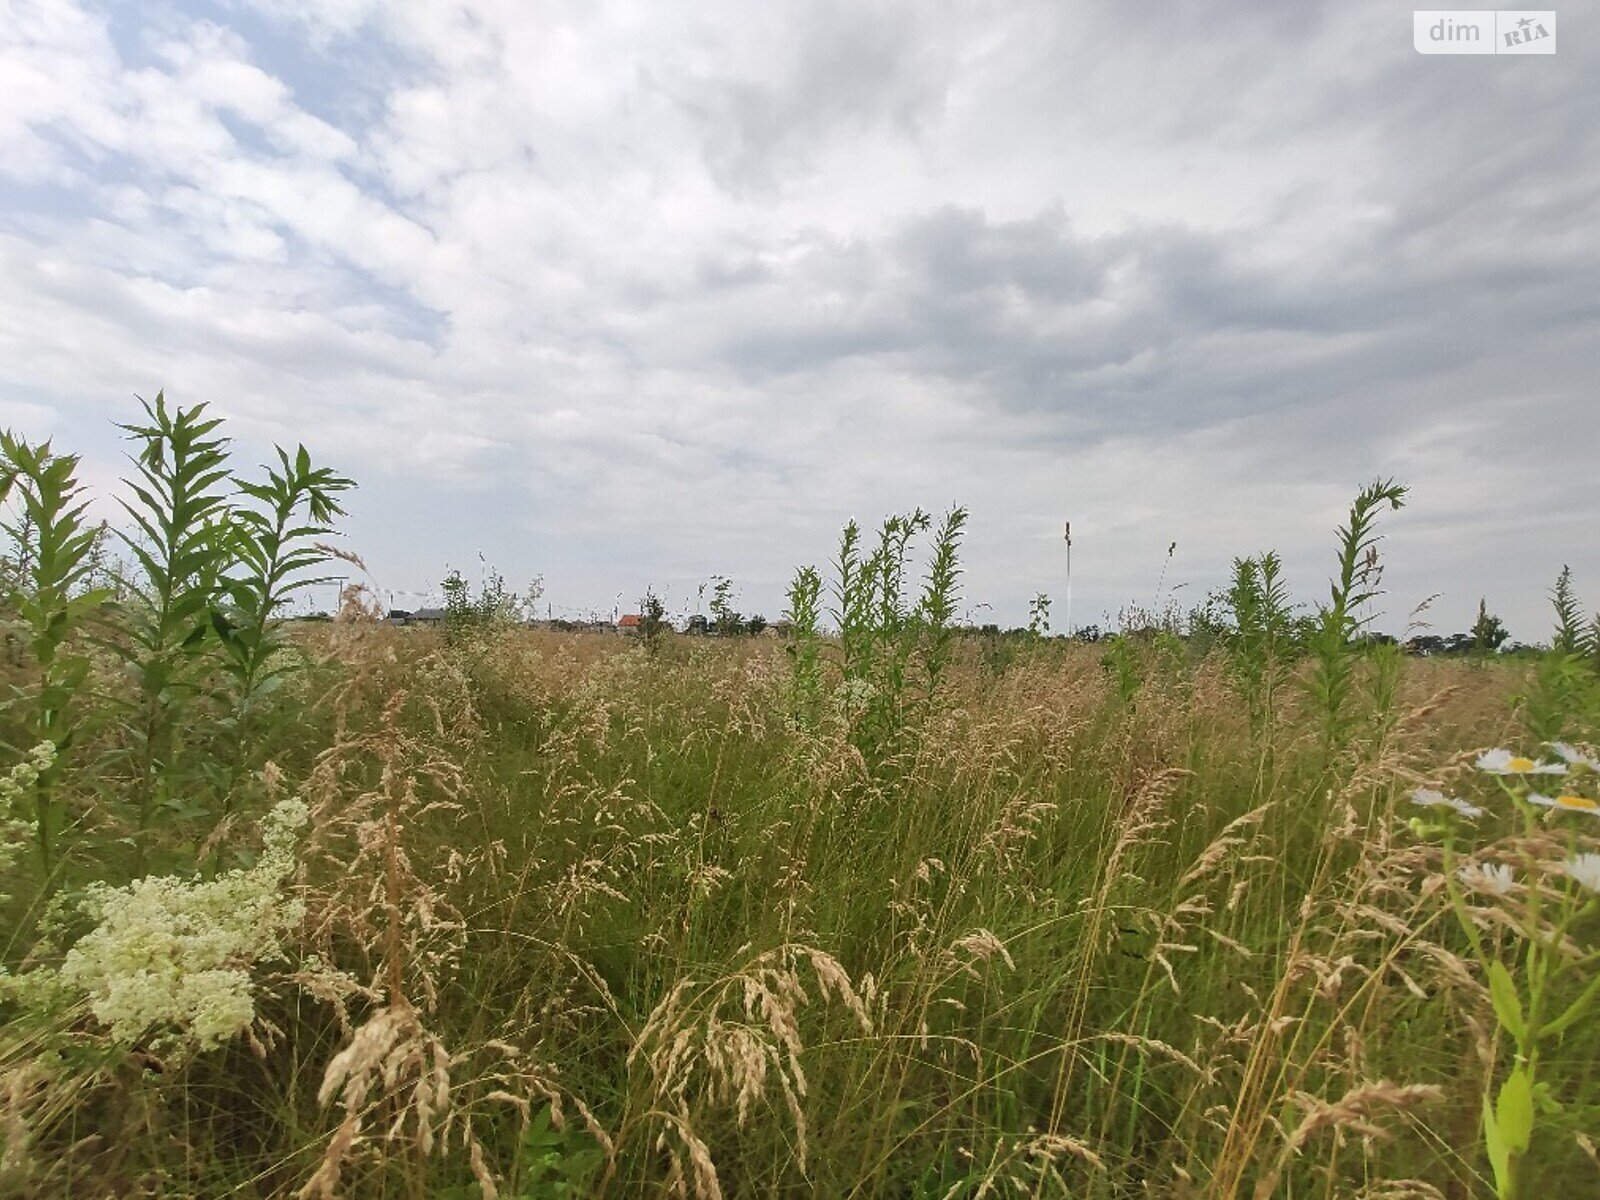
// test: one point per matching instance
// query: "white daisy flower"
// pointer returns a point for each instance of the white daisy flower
(1585, 868)
(1503, 762)
(1428, 798)
(1574, 757)
(1574, 803)
(1494, 878)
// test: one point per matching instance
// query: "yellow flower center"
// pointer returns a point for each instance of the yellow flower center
(1520, 765)
(1582, 802)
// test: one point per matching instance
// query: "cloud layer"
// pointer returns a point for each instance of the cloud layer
(635, 293)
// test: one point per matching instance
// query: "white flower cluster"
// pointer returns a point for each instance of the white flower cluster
(19, 781)
(854, 696)
(175, 955)
(16, 823)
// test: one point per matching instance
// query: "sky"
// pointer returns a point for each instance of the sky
(634, 294)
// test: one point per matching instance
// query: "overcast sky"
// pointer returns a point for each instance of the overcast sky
(625, 294)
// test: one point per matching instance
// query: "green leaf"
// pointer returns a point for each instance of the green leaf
(1507, 1006)
(1574, 1010)
(1494, 1143)
(1513, 1111)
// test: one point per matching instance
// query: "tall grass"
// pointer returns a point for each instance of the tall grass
(857, 914)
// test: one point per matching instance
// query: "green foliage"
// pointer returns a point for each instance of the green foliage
(1488, 631)
(1538, 988)
(1563, 698)
(1061, 935)
(1572, 637)
(192, 618)
(1333, 648)
(726, 621)
(275, 548)
(183, 542)
(495, 608)
(549, 1164)
(888, 645)
(1123, 662)
(804, 615)
(50, 591)
(1261, 645)
(937, 606)
(652, 621)
(1039, 615)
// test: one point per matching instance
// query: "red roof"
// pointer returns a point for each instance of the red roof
(631, 621)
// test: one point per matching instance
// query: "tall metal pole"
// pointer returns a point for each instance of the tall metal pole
(1067, 533)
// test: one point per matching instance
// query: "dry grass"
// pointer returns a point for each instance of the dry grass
(585, 921)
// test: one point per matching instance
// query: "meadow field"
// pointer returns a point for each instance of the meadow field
(880, 907)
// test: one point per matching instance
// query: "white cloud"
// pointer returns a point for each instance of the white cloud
(637, 295)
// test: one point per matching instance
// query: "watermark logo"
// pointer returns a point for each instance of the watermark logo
(1469, 31)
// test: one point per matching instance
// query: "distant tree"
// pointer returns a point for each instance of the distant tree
(755, 624)
(1488, 631)
(698, 624)
(1425, 644)
(726, 621)
(652, 620)
(459, 611)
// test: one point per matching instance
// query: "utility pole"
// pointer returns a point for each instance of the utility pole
(1067, 534)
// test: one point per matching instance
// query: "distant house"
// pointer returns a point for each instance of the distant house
(423, 616)
(631, 623)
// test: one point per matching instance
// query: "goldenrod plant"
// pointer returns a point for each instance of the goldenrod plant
(51, 592)
(182, 542)
(1333, 647)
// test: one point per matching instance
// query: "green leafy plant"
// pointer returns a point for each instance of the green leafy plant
(652, 621)
(183, 543)
(726, 621)
(1334, 649)
(1122, 661)
(50, 590)
(1039, 616)
(883, 636)
(275, 547)
(937, 606)
(1563, 699)
(1489, 632)
(804, 613)
(1260, 646)
(1572, 635)
(1545, 981)
(496, 607)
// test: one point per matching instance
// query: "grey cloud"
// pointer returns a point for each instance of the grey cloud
(735, 277)
(841, 69)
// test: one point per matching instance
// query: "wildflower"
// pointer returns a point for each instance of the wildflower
(1575, 803)
(1494, 878)
(16, 783)
(1428, 798)
(1574, 757)
(1503, 762)
(170, 953)
(1585, 868)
